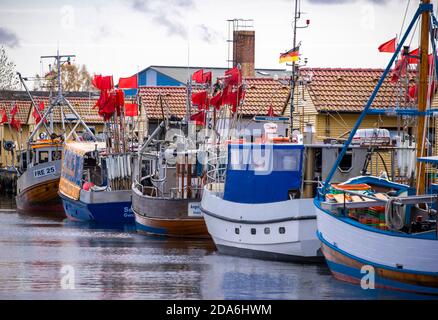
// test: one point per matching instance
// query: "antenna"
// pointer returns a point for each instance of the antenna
(60, 101)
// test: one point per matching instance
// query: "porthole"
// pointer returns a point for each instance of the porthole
(267, 230)
(253, 231)
(282, 230)
(236, 230)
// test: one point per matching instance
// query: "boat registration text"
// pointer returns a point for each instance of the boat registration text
(44, 172)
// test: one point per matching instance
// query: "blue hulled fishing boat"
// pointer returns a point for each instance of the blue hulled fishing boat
(94, 186)
(380, 229)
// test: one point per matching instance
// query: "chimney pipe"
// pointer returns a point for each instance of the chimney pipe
(244, 52)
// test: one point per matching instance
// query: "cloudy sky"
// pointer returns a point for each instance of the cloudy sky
(120, 37)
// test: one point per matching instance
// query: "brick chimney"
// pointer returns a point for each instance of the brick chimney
(244, 51)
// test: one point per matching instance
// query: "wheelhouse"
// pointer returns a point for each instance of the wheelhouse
(263, 173)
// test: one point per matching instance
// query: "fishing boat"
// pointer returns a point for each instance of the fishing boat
(381, 231)
(166, 193)
(95, 186)
(96, 178)
(40, 164)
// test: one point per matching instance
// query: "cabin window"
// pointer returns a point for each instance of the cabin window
(287, 160)
(267, 230)
(282, 230)
(43, 156)
(253, 231)
(56, 155)
(261, 159)
(236, 230)
(346, 163)
(239, 158)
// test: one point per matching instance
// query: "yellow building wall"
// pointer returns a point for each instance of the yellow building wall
(20, 140)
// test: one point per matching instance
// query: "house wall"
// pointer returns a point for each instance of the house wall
(20, 140)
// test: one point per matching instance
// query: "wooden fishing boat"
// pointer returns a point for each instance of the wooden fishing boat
(40, 163)
(37, 186)
(167, 201)
(377, 232)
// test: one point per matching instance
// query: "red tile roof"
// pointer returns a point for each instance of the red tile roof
(260, 94)
(82, 102)
(263, 92)
(348, 90)
(23, 108)
(173, 101)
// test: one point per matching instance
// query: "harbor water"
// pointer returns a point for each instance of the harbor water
(36, 253)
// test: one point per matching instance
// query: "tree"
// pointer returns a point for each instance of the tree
(8, 76)
(73, 78)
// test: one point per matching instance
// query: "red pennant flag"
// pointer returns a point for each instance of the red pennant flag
(128, 83)
(199, 118)
(131, 109)
(412, 92)
(4, 118)
(207, 77)
(388, 46)
(14, 110)
(37, 115)
(103, 83)
(96, 81)
(200, 99)
(233, 77)
(271, 111)
(415, 52)
(198, 76)
(399, 69)
(120, 98)
(15, 123)
(216, 101)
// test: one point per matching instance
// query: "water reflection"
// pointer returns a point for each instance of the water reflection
(120, 264)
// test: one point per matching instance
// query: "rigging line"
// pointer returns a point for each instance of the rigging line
(345, 123)
(404, 18)
(337, 121)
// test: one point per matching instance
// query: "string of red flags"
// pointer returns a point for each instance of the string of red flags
(128, 83)
(388, 46)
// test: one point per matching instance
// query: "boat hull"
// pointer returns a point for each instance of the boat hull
(167, 217)
(282, 231)
(105, 212)
(41, 199)
(399, 262)
(37, 190)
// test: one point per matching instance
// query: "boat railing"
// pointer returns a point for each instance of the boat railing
(216, 166)
(188, 192)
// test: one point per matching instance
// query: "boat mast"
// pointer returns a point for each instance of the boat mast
(422, 96)
(292, 79)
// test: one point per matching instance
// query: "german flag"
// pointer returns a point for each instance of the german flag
(290, 56)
